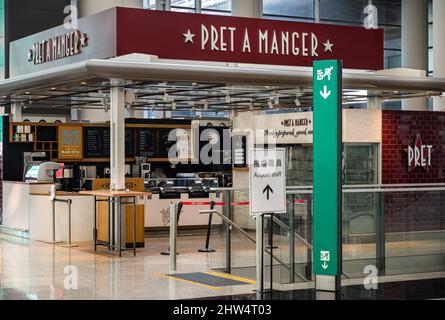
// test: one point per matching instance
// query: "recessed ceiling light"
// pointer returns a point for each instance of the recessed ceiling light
(53, 88)
(27, 92)
(83, 83)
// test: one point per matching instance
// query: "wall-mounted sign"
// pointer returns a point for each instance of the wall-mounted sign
(239, 151)
(267, 181)
(58, 47)
(94, 38)
(419, 155)
(288, 128)
(244, 40)
(201, 37)
(70, 142)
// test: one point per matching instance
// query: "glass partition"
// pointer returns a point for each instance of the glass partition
(398, 230)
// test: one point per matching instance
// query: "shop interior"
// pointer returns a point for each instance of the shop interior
(202, 103)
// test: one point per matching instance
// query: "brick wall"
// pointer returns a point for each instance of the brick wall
(414, 211)
(399, 129)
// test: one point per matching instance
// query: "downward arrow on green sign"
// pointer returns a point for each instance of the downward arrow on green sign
(327, 167)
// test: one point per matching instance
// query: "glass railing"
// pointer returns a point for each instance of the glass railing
(397, 229)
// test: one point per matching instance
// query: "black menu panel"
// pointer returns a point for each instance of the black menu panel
(240, 151)
(165, 143)
(148, 143)
(129, 142)
(96, 142)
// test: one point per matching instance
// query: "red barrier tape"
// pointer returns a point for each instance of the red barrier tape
(208, 203)
(241, 203)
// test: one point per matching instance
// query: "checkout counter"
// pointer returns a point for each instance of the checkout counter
(29, 206)
(189, 189)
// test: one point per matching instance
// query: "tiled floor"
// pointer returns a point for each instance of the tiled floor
(427, 289)
(35, 270)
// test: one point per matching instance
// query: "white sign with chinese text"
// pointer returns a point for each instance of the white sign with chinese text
(267, 181)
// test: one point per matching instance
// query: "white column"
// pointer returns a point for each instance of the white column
(317, 11)
(439, 48)
(89, 7)
(198, 6)
(247, 8)
(164, 5)
(374, 100)
(16, 112)
(415, 44)
(75, 114)
(117, 127)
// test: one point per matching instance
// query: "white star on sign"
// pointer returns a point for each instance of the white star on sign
(328, 46)
(84, 40)
(188, 36)
(30, 55)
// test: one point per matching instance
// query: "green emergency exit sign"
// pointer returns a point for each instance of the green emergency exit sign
(327, 203)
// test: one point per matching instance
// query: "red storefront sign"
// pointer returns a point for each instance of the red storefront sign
(174, 35)
(412, 147)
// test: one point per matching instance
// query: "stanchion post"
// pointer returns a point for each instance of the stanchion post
(292, 240)
(271, 250)
(228, 213)
(259, 253)
(69, 202)
(173, 230)
(134, 226)
(54, 220)
(53, 202)
(209, 230)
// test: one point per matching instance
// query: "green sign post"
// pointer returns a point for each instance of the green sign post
(327, 192)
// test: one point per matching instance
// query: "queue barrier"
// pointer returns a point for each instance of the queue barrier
(69, 202)
(176, 209)
(213, 204)
(175, 215)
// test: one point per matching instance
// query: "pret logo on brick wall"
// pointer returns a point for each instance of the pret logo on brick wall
(419, 155)
(59, 47)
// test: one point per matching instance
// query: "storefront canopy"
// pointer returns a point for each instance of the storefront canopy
(159, 83)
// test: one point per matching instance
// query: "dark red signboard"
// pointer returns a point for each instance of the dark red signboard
(402, 133)
(174, 35)
(405, 131)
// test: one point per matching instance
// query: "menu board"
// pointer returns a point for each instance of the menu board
(143, 142)
(148, 143)
(98, 141)
(129, 142)
(240, 151)
(167, 139)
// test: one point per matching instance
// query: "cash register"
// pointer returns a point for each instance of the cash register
(41, 172)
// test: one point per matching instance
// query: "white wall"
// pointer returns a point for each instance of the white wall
(247, 8)
(49, 119)
(89, 7)
(93, 115)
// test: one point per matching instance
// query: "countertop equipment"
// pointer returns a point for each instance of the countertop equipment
(145, 170)
(172, 188)
(43, 172)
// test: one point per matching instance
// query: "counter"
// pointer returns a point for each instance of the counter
(16, 202)
(40, 217)
(27, 208)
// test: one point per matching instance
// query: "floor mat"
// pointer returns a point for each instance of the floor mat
(212, 279)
